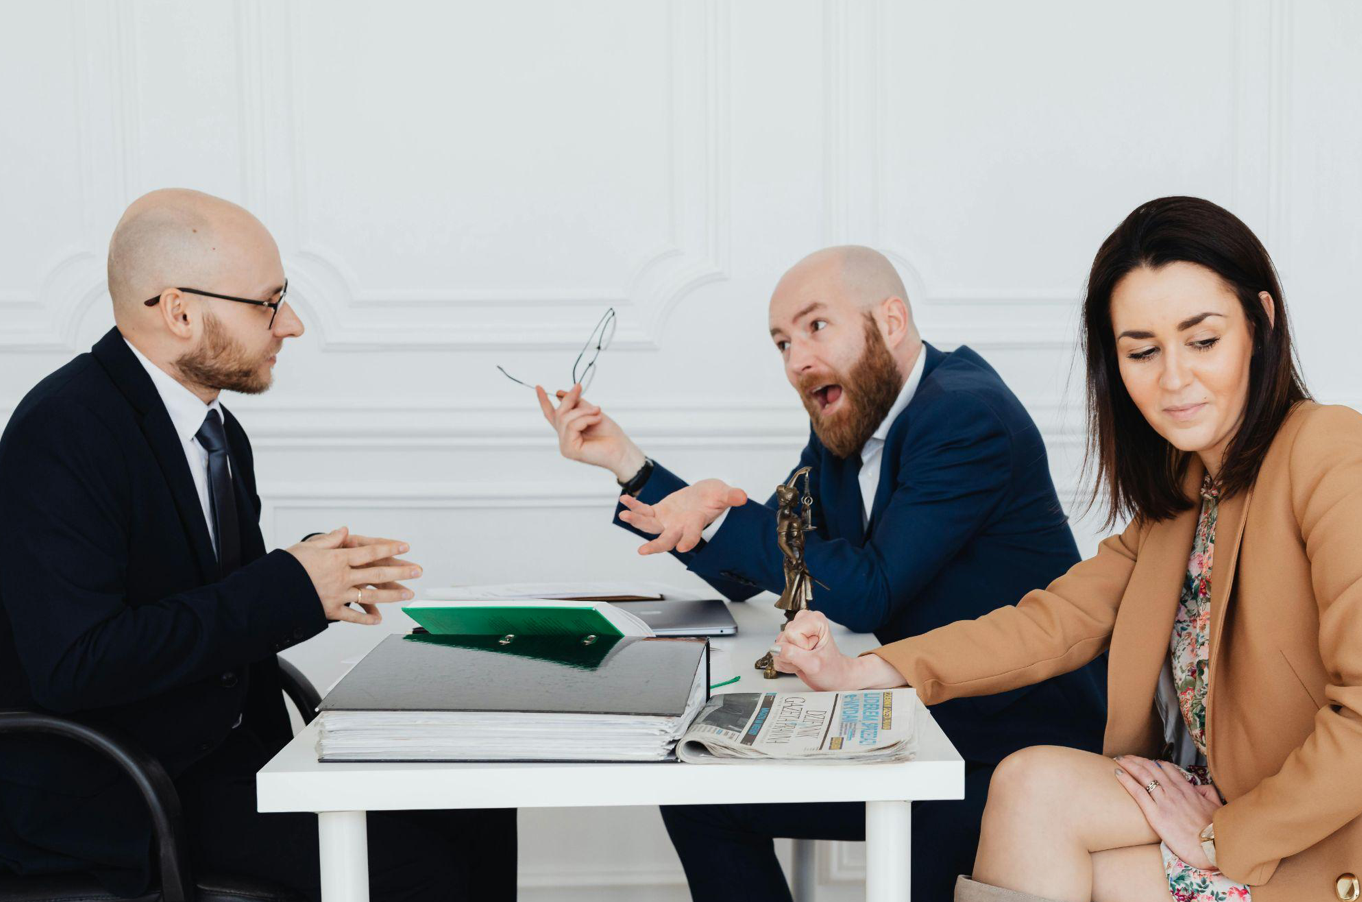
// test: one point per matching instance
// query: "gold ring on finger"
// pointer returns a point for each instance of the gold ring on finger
(1151, 786)
(359, 595)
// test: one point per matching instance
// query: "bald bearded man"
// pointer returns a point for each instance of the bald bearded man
(933, 502)
(136, 594)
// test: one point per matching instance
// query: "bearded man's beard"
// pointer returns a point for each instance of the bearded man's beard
(220, 362)
(870, 389)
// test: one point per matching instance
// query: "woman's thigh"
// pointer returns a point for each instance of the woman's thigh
(1132, 874)
(1067, 794)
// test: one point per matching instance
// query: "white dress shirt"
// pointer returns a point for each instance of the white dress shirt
(872, 452)
(187, 413)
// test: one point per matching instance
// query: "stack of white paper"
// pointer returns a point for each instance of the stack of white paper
(515, 698)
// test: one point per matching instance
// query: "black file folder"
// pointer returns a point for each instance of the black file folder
(425, 690)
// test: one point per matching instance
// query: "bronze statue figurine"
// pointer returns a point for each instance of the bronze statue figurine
(793, 520)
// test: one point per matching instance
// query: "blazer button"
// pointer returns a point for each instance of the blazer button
(1348, 888)
(227, 680)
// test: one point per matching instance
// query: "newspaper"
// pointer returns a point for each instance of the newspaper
(803, 728)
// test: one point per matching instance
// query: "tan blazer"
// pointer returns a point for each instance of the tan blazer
(1284, 705)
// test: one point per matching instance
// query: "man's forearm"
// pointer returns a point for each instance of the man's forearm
(629, 463)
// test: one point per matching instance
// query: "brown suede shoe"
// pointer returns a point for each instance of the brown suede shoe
(967, 890)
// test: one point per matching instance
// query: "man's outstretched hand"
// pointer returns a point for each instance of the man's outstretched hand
(678, 519)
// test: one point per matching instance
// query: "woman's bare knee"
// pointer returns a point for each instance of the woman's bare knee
(1070, 793)
(1030, 785)
(1025, 824)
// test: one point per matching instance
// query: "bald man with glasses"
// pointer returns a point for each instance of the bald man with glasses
(136, 593)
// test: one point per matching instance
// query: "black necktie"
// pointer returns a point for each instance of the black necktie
(213, 437)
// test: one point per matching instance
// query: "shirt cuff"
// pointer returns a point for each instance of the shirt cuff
(709, 531)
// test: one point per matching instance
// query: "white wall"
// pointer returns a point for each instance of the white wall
(456, 185)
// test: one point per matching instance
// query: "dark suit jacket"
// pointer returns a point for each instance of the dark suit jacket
(965, 520)
(113, 611)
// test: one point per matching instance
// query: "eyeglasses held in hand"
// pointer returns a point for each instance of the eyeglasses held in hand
(584, 367)
(273, 303)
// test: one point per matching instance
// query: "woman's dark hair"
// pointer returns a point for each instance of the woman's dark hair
(1139, 470)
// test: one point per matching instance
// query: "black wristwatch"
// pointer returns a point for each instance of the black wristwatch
(639, 479)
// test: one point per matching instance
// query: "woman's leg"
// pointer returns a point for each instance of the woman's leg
(1135, 872)
(1049, 809)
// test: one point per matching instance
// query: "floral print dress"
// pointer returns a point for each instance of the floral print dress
(1190, 649)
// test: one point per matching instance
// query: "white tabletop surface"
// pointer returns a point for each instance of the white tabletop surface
(295, 781)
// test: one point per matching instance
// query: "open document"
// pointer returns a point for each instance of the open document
(526, 617)
(803, 728)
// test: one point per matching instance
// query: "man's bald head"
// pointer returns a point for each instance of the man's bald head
(194, 256)
(859, 274)
(842, 279)
(175, 237)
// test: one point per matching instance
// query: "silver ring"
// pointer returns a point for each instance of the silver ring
(359, 595)
(1151, 786)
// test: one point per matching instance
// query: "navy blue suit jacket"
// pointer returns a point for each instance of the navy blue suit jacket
(965, 520)
(113, 611)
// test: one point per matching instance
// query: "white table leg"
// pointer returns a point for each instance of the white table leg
(804, 858)
(344, 856)
(888, 858)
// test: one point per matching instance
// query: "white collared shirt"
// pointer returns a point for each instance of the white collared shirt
(872, 452)
(187, 413)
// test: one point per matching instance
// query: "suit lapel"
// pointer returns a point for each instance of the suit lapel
(132, 380)
(845, 511)
(1229, 534)
(893, 442)
(1231, 517)
(889, 464)
(1144, 625)
(243, 486)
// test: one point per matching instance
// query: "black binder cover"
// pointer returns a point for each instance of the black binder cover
(544, 675)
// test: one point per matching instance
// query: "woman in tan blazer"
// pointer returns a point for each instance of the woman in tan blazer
(1231, 606)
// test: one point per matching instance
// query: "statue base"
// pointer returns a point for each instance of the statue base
(766, 663)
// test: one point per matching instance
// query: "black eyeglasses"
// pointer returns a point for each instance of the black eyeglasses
(584, 367)
(273, 304)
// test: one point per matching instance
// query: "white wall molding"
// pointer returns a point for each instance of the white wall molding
(1281, 38)
(841, 863)
(360, 317)
(471, 494)
(587, 878)
(326, 419)
(104, 107)
(717, 423)
(856, 48)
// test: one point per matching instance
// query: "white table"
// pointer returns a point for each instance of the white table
(340, 794)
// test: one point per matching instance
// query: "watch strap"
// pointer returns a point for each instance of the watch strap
(639, 479)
